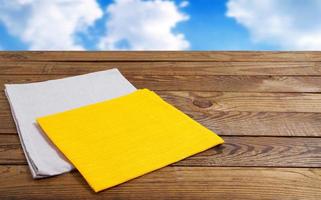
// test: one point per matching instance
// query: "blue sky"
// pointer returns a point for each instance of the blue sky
(210, 29)
(160, 25)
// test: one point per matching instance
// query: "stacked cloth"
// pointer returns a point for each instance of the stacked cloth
(100, 124)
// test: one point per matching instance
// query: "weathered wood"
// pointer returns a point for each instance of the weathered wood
(239, 95)
(233, 101)
(201, 83)
(254, 56)
(172, 183)
(252, 102)
(236, 123)
(11, 150)
(235, 152)
(216, 109)
(164, 68)
(229, 113)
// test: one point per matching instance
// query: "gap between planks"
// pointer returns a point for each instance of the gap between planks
(235, 152)
(209, 102)
(164, 68)
(172, 183)
(208, 83)
(229, 113)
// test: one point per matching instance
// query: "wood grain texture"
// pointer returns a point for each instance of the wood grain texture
(251, 102)
(172, 183)
(200, 83)
(233, 101)
(237, 123)
(240, 56)
(11, 150)
(235, 152)
(164, 68)
(250, 98)
(233, 113)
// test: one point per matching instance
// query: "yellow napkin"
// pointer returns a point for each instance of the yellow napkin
(117, 140)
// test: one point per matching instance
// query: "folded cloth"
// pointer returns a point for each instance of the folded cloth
(117, 140)
(29, 101)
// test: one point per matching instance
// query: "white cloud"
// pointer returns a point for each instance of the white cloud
(291, 24)
(143, 25)
(49, 24)
(184, 4)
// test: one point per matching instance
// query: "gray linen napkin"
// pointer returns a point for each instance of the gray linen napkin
(32, 100)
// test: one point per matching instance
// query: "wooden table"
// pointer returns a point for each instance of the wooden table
(266, 105)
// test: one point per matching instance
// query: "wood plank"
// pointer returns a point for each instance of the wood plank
(242, 101)
(232, 101)
(172, 183)
(234, 113)
(201, 83)
(235, 152)
(236, 123)
(254, 56)
(164, 68)
(230, 83)
(11, 151)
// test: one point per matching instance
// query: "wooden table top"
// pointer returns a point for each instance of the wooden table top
(266, 106)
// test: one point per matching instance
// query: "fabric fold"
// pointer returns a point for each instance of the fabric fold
(113, 141)
(32, 100)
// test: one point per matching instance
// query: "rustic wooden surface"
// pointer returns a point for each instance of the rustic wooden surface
(266, 105)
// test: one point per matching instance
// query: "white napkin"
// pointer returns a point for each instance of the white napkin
(32, 100)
